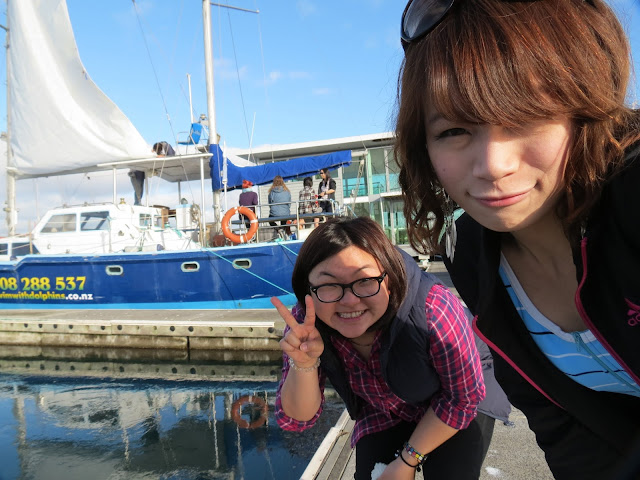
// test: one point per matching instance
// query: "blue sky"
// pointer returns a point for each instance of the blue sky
(297, 71)
(300, 70)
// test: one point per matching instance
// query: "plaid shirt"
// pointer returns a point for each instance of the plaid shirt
(454, 357)
(307, 198)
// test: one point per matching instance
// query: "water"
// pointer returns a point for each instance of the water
(58, 426)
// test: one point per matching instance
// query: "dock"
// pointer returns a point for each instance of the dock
(186, 330)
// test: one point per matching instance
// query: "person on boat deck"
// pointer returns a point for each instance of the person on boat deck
(248, 198)
(307, 201)
(163, 149)
(137, 181)
(279, 200)
(395, 344)
(326, 191)
(516, 112)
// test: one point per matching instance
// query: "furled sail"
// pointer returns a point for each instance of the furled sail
(60, 120)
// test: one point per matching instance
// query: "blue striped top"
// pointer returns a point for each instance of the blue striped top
(578, 354)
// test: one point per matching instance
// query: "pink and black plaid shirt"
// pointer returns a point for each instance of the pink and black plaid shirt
(453, 355)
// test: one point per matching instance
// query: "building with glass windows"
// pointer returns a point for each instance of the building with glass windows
(368, 187)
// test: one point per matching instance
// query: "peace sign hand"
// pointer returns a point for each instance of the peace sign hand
(302, 342)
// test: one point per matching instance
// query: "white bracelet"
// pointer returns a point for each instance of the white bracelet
(293, 365)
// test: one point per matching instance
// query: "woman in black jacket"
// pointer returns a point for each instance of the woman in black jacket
(515, 111)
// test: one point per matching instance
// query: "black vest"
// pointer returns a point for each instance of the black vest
(404, 354)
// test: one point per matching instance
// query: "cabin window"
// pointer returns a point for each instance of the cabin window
(23, 248)
(90, 221)
(4, 249)
(145, 220)
(65, 222)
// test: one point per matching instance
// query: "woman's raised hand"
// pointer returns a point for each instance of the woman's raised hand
(302, 342)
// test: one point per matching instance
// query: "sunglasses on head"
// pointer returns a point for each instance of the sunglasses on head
(421, 16)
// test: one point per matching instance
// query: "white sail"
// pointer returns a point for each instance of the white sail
(60, 120)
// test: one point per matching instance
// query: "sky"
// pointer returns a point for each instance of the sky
(297, 71)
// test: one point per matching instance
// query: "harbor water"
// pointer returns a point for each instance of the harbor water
(59, 425)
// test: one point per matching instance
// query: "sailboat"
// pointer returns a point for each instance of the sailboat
(116, 255)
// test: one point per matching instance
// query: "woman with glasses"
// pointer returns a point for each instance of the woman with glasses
(515, 111)
(395, 344)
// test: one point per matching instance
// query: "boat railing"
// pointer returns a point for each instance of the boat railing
(286, 227)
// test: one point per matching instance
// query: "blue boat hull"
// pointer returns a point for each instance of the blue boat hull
(240, 277)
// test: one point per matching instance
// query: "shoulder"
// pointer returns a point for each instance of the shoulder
(620, 195)
(441, 303)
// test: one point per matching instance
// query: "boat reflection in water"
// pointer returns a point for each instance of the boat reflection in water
(64, 423)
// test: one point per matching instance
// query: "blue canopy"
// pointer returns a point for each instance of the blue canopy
(263, 174)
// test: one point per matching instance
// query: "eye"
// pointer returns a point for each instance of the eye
(451, 132)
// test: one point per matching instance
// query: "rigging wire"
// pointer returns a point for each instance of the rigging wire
(235, 56)
(153, 67)
(266, 91)
(164, 103)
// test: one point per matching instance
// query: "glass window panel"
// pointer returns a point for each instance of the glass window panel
(145, 220)
(350, 178)
(65, 222)
(394, 171)
(378, 171)
(90, 221)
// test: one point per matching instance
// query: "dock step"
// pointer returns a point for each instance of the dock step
(332, 457)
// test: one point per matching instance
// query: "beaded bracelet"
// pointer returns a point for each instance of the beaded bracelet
(421, 458)
(293, 366)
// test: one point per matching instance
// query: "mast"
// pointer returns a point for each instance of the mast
(10, 209)
(211, 111)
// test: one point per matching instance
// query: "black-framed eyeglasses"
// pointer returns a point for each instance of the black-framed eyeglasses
(362, 288)
(421, 16)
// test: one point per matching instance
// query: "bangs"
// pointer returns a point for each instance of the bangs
(485, 66)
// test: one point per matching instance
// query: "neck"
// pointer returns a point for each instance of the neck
(364, 340)
(545, 243)
(360, 344)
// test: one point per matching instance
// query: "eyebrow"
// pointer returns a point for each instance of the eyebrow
(328, 274)
(434, 118)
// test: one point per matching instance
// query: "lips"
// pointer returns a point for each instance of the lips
(501, 201)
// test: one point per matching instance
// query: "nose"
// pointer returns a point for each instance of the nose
(496, 154)
(349, 298)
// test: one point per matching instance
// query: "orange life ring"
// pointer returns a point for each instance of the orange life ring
(237, 407)
(226, 224)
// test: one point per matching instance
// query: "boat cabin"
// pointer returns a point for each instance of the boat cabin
(107, 228)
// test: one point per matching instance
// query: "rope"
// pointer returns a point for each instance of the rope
(255, 274)
(164, 103)
(266, 93)
(153, 67)
(235, 56)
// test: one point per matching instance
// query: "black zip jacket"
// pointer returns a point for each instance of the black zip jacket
(585, 434)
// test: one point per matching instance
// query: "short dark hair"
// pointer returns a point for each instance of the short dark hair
(307, 182)
(335, 235)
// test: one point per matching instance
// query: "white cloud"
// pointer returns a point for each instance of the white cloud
(299, 75)
(306, 8)
(321, 91)
(225, 68)
(274, 76)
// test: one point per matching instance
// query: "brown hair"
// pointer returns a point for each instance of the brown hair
(278, 181)
(335, 235)
(508, 63)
